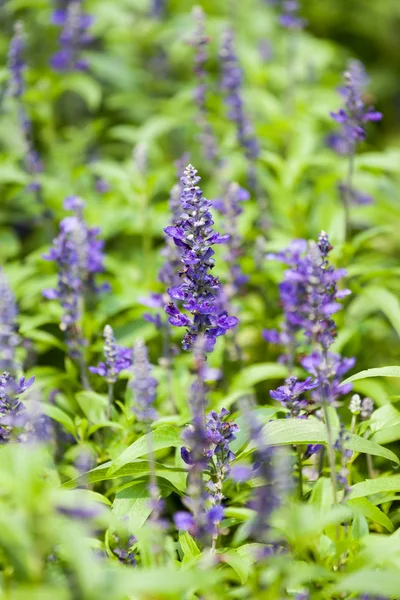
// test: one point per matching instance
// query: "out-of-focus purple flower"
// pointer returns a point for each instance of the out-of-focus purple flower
(289, 17)
(9, 339)
(291, 395)
(200, 42)
(13, 414)
(117, 358)
(73, 38)
(158, 9)
(143, 384)
(198, 290)
(266, 497)
(124, 550)
(78, 253)
(309, 293)
(16, 65)
(355, 114)
(195, 436)
(230, 205)
(352, 196)
(232, 85)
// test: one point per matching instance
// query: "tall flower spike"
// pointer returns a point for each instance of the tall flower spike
(73, 38)
(9, 338)
(289, 17)
(232, 85)
(352, 119)
(198, 290)
(78, 254)
(200, 42)
(355, 114)
(16, 65)
(143, 384)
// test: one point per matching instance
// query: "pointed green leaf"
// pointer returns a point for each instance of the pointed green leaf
(380, 372)
(375, 486)
(165, 436)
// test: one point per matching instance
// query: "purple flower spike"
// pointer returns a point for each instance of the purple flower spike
(289, 17)
(117, 358)
(355, 114)
(9, 339)
(200, 42)
(73, 38)
(78, 253)
(198, 290)
(231, 207)
(232, 85)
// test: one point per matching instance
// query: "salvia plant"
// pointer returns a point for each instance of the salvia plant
(239, 436)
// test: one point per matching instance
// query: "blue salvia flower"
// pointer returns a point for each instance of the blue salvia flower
(16, 89)
(158, 9)
(232, 85)
(230, 206)
(13, 415)
(78, 253)
(198, 290)
(289, 17)
(310, 297)
(291, 395)
(355, 114)
(117, 358)
(73, 38)
(352, 119)
(143, 384)
(9, 339)
(200, 42)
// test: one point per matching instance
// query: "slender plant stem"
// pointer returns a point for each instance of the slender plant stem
(110, 398)
(331, 452)
(300, 468)
(348, 191)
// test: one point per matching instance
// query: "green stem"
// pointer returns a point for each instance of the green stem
(348, 191)
(300, 468)
(331, 452)
(110, 398)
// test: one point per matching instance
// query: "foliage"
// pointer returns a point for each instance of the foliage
(244, 465)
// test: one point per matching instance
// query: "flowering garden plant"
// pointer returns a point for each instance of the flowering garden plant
(199, 307)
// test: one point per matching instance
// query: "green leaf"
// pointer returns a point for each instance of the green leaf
(93, 405)
(165, 436)
(372, 512)
(133, 502)
(189, 547)
(380, 372)
(249, 376)
(375, 486)
(370, 581)
(241, 564)
(83, 85)
(55, 413)
(312, 431)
